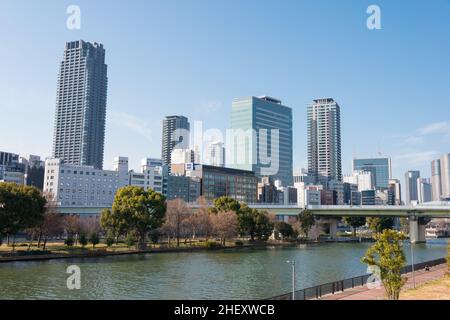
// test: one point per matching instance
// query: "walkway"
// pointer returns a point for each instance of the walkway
(363, 293)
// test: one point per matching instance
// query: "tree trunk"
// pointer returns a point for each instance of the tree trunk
(45, 243)
(39, 239)
(7, 239)
(354, 232)
(14, 243)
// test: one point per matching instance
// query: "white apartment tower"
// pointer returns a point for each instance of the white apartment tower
(324, 140)
(79, 132)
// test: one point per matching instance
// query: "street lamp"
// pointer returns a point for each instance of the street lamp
(412, 218)
(412, 263)
(293, 278)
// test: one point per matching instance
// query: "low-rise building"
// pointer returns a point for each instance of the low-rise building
(83, 186)
(216, 182)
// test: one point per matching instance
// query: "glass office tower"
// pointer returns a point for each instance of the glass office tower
(380, 169)
(260, 139)
(79, 134)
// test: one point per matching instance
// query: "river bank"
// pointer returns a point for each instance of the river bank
(97, 253)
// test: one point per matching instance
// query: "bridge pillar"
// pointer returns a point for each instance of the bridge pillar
(416, 230)
(333, 228)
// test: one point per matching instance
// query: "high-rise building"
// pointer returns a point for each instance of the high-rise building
(380, 169)
(368, 197)
(261, 138)
(175, 135)
(215, 154)
(423, 190)
(411, 186)
(11, 169)
(363, 179)
(436, 180)
(396, 190)
(79, 133)
(324, 140)
(445, 176)
(351, 194)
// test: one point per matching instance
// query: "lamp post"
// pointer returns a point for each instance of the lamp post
(412, 263)
(412, 218)
(293, 278)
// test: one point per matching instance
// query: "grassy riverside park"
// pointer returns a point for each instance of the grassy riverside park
(438, 289)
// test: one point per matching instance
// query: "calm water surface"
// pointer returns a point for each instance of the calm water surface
(228, 274)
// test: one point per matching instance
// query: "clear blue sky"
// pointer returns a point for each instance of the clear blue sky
(193, 57)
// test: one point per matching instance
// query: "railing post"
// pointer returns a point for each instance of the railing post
(332, 289)
(353, 283)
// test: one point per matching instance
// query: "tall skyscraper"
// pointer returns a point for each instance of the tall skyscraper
(436, 182)
(380, 169)
(79, 133)
(324, 140)
(175, 133)
(411, 186)
(261, 138)
(445, 176)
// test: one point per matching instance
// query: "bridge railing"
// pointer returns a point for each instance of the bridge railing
(342, 285)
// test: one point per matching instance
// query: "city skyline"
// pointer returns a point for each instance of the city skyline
(134, 118)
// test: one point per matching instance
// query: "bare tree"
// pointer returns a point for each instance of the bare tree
(72, 225)
(90, 225)
(177, 212)
(52, 222)
(225, 225)
(200, 223)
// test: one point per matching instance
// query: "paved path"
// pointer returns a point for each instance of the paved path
(363, 293)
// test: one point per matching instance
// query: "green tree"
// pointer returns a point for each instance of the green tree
(307, 221)
(379, 224)
(94, 239)
(355, 222)
(114, 224)
(224, 204)
(264, 227)
(130, 239)
(387, 254)
(135, 210)
(285, 229)
(21, 207)
(254, 223)
(154, 236)
(69, 241)
(83, 240)
(109, 239)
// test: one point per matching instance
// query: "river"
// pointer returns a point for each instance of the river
(226, 274)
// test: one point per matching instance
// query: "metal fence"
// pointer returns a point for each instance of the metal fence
(342, 285)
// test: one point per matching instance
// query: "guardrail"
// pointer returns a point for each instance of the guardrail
(342, 285)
